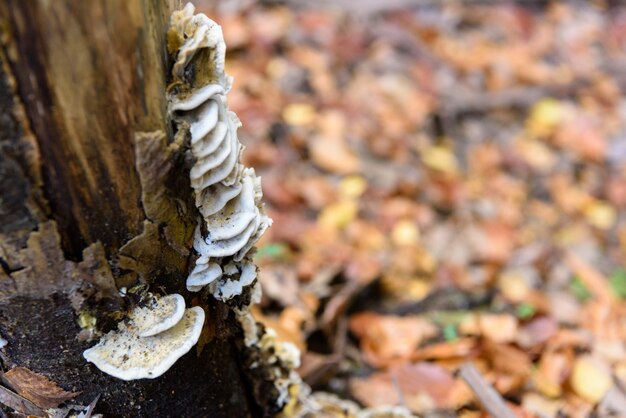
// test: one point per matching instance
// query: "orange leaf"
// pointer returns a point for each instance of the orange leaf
(386, 338)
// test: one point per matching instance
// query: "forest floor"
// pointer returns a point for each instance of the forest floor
(448, 185)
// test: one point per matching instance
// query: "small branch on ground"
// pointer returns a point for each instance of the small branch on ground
(491, 400)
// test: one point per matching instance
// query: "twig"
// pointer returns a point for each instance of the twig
(491, 400)
(456, 102)
(87, 412)
(371, 7)
(20, 404)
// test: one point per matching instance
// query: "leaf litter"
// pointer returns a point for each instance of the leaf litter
(448, 184)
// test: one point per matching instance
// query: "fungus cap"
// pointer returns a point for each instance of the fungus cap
(127, 356)
(202, 275)
(226, 288)
(159, 315)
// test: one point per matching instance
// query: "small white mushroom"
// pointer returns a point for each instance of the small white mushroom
(226, 287)
(201, 33)
(197, 98)
(228, 247)
(202, 275)
(3, 342)
(264, 223)
(214, 198)
(127, 356)
(243, 204)
(222, 171)
(159, 315)
(204, 165)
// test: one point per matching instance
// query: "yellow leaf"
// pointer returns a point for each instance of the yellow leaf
(600, 214)
(405, 232)
(535, 153)
(514, 286)
(546, 387)
(339, 214)
(299, 114)
(544, 117)
(591, 378)
(440, 159)
(351, 187)
(499, 328)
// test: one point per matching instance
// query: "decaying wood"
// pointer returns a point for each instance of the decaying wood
(95, 197)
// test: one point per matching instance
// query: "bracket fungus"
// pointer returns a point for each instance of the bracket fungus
(158, 316)
(154, 338)
(228, 198)
(228, 195)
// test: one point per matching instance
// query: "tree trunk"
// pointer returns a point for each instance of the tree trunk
(95, 197)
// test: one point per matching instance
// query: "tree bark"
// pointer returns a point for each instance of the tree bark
(95, 197)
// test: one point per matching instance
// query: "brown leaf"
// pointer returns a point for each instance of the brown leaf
(21, 405)
(387, 338)
(552, 370)
(512, 365)
(37, 388)
(499, 328)
(330, 150)
(461, 347)
(537, 331)
(592, 278)
(422, 386)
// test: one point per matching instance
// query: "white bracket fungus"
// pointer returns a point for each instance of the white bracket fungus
(228, 195)
(159, 315)
(156, 336)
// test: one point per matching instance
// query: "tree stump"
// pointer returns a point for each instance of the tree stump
(95, 197)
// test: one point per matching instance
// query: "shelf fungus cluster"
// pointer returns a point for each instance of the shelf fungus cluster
(231, 217)
(228, 195)
(150, 341)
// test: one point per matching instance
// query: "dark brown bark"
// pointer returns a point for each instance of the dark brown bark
(95, 196)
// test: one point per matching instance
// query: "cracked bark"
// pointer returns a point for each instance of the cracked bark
(95, 196)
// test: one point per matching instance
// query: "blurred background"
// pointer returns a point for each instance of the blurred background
(447, 181)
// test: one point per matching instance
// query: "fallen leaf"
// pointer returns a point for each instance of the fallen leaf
(405, 232)
(540, 405)
(507, 359)
(545, 116)
(338, 215)
(592, 278)
(591, 378)
(600, 214)
(537, 331)
(385, 338)
(461, 347)
(20, 404)
(37, 388)
(329, 149)
(352, 187)
(500, 328)
(440, 159)
(299, 114)
(422, 387)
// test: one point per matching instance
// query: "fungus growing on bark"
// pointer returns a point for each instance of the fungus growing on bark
(204, 273)
(228, 195)
(235, 278)
(151, 342)
(159, 315)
